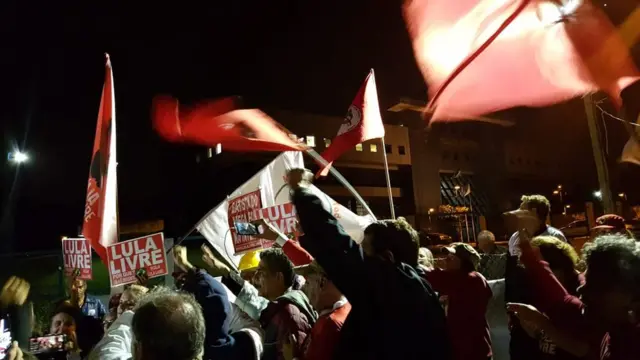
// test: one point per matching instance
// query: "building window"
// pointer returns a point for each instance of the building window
(388, 149)
(359, 147)
(311, 140)
(455, 156)
(373, 147)
(401, 150)
(209, 153)
(327, 142)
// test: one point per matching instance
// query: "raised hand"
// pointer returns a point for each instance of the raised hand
(213, 262)
(14, 292)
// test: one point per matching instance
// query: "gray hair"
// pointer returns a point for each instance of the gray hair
(169, 325)
(619, 256)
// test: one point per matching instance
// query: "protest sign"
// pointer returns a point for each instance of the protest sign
(76, 254)
(241, 209)
(143, 256)
(283, 217)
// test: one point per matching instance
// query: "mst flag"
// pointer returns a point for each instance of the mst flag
(100, 225)
(482, 56)
(220, 122)
(362, 122)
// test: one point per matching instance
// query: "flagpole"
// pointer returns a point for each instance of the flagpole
(314, 154)
(386, 173)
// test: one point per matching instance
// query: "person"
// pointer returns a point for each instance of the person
(468, 295)
(425, 258)
(609, 301)
(395, 314)
(282, 311)
(83, 332)
(333, 307)
(168, 325)
(493, 258)
(130, 297)
(539, 206)
(611, 224)
(88, 304)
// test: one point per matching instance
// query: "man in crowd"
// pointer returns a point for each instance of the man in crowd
(611, 224)
(493, 258)
(395, 313)
(283, 312)
(88, 304)
(540, 206)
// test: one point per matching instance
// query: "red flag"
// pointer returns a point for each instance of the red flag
(100, 225)
(221, 122)
(481, 56)
(362, 122)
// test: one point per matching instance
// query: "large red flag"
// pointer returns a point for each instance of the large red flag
(481, 56)
(100, 225)
(362, 122)
(221, 122)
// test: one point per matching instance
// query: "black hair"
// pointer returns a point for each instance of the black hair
(619, 256)
(277, 262)
(396, 236)
(169, 325)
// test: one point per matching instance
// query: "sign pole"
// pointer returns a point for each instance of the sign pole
(386, 173)
(600, 160)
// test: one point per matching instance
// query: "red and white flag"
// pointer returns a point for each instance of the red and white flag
(220, 122)
(545, 52)
(100, 225)
(363, 122)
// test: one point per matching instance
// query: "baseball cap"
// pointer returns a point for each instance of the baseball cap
(464, 251)
(610, 222)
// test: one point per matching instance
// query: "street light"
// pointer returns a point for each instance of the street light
(598, 194)
(18, 157)
(566, 207)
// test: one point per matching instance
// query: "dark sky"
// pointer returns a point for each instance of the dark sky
(308, 55)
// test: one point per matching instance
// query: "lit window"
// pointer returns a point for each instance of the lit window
(359, 147)
(373, 147)
(311, 140)
(209, 153)
(401, 150)
(327, 142)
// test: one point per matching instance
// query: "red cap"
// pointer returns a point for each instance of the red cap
(610, 222)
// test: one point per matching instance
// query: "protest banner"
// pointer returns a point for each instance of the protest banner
(241, 209)
(143, 256)
(76, 254)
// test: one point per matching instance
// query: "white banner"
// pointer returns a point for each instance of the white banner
(271, 180)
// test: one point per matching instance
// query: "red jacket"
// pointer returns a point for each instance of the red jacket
(468, 295)
(325, 334)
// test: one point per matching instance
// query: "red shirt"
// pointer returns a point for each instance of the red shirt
(325, 334)
(468, 295)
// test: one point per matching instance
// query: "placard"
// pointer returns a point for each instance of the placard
(242, 209)
(76, 255)
(137, 256)
(283, 217)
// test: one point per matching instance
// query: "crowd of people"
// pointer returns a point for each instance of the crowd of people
(328, 297)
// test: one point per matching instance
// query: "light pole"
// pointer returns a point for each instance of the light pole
(566, 207)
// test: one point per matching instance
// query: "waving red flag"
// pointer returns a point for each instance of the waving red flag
(221, 122)
(100, 224)
(362, 122)
(482, 56)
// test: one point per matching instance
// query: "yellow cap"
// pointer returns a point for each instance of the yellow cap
(249, 260)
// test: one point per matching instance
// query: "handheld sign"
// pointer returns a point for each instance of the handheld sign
(141, 255)
(76, 254)
(241, 210)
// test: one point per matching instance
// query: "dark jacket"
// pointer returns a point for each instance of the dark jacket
(290, 314)
(212, 296)
(395, 313)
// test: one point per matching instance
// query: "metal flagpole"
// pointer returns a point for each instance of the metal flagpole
(386, 173)
(314, 154)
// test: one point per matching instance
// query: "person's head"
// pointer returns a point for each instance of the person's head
(168, 325)
(62, 323)
(109, 319)
(425, 258)
(461, 256)
(611, 224)
(274, 274)
(611, 293)
(392, 240)
(77, 288)
(537, 204)
(562, 257)
(486, 241)
(322, 293)
(130, 297)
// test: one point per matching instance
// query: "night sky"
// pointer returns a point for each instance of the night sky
(306, 55)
